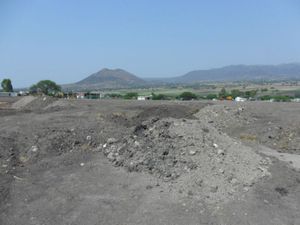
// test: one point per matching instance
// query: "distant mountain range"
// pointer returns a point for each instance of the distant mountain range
(242, 72)
(118, 78)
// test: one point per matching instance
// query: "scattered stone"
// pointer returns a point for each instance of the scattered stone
(88, 138)
(34, 148)
(234, 181)
(81, 164)
(215, 145)
(221, 171)
(192, 152)
(221, 152)
(245, 189)
(111, 156)
(111, 140)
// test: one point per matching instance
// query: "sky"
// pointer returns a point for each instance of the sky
(65, 41)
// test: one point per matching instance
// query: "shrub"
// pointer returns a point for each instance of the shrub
(187, 96)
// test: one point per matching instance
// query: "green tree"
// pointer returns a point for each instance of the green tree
(211, 96)
(236, 93)
(187, 96)
(250, 94)
(46, 87)
(131, 95)
(6, 85)
(159, 97)
(223, 93)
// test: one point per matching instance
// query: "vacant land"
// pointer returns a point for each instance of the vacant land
(148, 162)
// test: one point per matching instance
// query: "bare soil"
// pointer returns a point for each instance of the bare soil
(148, 162)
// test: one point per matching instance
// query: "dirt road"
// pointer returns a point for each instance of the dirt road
(148, 162)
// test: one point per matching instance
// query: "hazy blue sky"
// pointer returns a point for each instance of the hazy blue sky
(66, 40)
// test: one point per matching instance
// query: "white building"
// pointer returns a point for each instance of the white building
(240, 99)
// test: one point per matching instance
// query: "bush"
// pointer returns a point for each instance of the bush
(159, 97)
(223, 93)
(282, 98)
(130, 95)
(265, 98)
(211, 96)
(187, 96)
(113, 95)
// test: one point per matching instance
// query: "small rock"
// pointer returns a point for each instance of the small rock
(81, 164)
(111, 140)
(104, 146)
(245, 189)
(234, 181)
(111, 156)
(221, 152)
(215, 145)
(136, 143)
(34, 148)
(192, 152)
(221, 171)
(88, 138)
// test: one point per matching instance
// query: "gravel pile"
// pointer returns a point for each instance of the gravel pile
(23, 102)
(241, 121)
(193, 155)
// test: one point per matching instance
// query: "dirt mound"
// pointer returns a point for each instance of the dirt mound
(38, 104)
(166, 111)
(202, 161)
(147, 112)
(251, 124)
(23, 102)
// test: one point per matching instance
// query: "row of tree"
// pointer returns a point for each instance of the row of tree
(46, 87)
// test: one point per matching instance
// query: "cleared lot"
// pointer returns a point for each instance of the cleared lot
(148, 162)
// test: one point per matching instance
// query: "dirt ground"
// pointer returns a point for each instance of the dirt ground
(91, 162)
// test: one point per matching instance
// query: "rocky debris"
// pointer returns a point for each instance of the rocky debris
(23, 102)
(184, 152)
(250, 127)
(111, 140)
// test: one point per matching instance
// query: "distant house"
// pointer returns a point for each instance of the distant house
(240, 99)
(89, 95)
(143, 98)
(296, 100)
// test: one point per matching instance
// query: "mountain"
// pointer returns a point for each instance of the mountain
(242, 72)
(107, 79)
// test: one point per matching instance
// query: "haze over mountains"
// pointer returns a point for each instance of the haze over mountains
(118, 78)
(242, 72)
